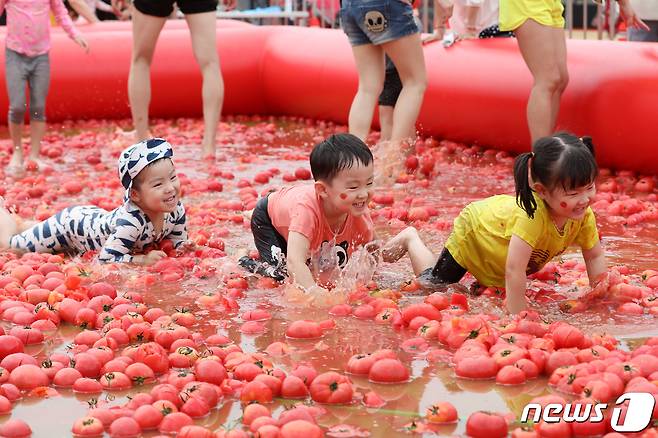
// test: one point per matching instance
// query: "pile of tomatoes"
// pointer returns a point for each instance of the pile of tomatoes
(123, 341)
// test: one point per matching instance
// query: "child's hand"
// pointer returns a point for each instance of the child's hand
(516, 304)
(82, 42)
(119, 6)
(150, 258)
(630, 17)
(188, 245)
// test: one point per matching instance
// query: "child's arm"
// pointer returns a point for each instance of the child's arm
(518, 255)
(62, 17)
(102, 6)
(595, 263)
(119, 245)
(178, 235)
(298, 249)
(81, 7)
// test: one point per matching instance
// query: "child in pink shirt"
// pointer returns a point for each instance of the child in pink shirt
(27, 63)
(329, 217)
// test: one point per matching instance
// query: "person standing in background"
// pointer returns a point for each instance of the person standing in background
(148, 19)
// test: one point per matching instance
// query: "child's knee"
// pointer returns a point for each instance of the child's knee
(38, 114)
(16, 114)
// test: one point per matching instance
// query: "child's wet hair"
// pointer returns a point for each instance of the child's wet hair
(337, 153)
(560, 160)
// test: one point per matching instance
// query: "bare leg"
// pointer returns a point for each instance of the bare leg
(408, 241)
(37, 131)
(544, 51)
(407, 55)
(370, 66)
(15, 166)
(146, 30)
(385, 122)
(204, 43)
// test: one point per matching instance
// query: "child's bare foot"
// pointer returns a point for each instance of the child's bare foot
(16, 167)
(209, 152)
(7, 225)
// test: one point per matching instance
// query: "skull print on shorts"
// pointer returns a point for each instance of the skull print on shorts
(375, 21)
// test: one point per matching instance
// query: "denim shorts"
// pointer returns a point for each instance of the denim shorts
(377, 21)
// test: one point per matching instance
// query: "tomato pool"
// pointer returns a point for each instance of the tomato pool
(217, 310)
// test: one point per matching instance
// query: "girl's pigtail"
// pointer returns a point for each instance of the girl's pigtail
(587, 141)
(524, 196)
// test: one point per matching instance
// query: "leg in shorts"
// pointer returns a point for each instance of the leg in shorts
(164, 8)
(445, 271)
(377, 21)
(271, 245)
(392, 85)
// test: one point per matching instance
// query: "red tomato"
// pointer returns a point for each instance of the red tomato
(14, 428)
(388, 371)
(253, 411)
(27, 377)
(88, 426)
(441, 413)
(304, 330)
(174, 422)
(301, 428)
(482, 424)
(360, 364)
(194, 432)
(293, 387)
(256, 391)
(477, 367)
(331, 388)
(511, 375)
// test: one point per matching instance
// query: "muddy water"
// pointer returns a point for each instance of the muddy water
(248, 149)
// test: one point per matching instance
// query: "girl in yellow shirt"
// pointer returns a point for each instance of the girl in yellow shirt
(502, 239)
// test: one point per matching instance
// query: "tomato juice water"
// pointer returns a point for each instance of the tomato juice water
(274, 148)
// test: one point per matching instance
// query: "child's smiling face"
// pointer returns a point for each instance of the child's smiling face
(157, 188)
(351, 189)
(569, 203)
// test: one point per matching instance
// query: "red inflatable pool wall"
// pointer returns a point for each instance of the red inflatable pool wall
(477, 90)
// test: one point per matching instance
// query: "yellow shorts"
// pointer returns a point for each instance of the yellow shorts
(513, 13)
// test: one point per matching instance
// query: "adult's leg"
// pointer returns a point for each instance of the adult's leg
(407, 55)
(146, 29)
(544, 51)
(204, 43)
(16, 81)
(370, 67)
(39, 81)
(385, 122)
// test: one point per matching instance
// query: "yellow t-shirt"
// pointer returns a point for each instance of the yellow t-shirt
(482, 231)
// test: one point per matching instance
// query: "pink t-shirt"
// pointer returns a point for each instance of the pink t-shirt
(297, 208)
(28, 24)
